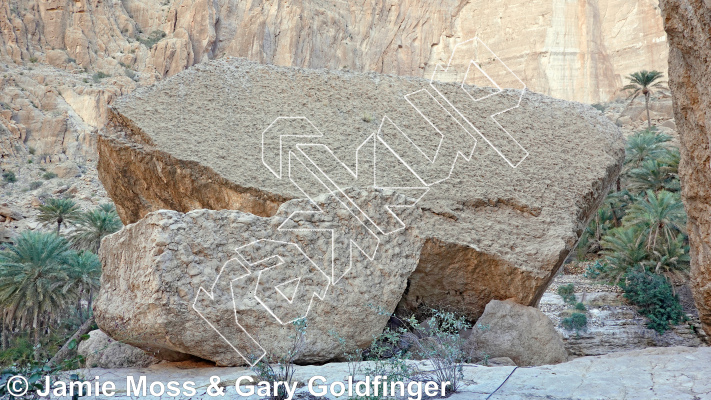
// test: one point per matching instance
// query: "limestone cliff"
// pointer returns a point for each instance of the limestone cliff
(687, 23)
(90, 50)
(575, 50)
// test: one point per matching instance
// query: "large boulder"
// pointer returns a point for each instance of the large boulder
(100, 351)
(222, 136)
(227, 286)
(523, 334)
(687, 26)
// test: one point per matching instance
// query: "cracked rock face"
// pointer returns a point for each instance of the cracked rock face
(174, 284)
(687, 25)
(212, 138)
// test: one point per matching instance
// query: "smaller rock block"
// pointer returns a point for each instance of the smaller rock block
(523, 334)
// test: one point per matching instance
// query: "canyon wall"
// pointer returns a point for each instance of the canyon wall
(575, 50)
(687, 23)
(80, 54)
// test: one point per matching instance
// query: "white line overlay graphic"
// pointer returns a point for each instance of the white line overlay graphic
(287, 298)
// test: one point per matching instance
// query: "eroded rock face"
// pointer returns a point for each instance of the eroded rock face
(100, 351)
(687, 24)
(67, 46)
(603, 40)
(173, 283)
(523, 334)
(221, 136)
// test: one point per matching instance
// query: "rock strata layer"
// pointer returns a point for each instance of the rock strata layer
(233, 134)
(687, 24)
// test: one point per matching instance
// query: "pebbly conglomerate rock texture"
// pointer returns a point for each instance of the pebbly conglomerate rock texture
(222, 136)
(687, 24)
(174, 284)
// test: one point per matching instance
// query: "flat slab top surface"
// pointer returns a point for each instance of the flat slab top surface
(239, 118)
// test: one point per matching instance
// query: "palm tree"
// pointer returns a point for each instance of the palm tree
(652, 175)
(59, 211)
(84, 271)
(644, 83)
(31, 278)
(623, 249)
(672, 259)
(660, 214)
(645, 145)
(93, 225)
(108, 207)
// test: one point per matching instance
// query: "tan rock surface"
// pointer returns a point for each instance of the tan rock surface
(159, 274)
(491, 231)
(687, 24)
(100, 351)
(578, 52)
(523, 334)
(568, 50)
(671, 373)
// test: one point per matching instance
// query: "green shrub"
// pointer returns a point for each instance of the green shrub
(99, 76)
(576, 322)
(654, 298)
(32, 150)
(9, 176)
(130, 73)
(580, 307)
(594, 270)
(599, 107)
(567, 292)
(49, 175)
(33, 60)
(152, 39)
(35, 185)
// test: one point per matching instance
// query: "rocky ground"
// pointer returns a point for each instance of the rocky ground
(613, 324)
(661, 373)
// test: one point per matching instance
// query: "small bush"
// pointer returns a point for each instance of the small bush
(49, 175)
(281, 369)
(152, 39)
(35, 185)
(567, 292)
(33, 60)
(129, 73)
(576, 322)
(599, 107)
(595, 270)
(654, 298)
(99, 76)
(580, 307)
(9, 177)
(367, 117)
(32, 150)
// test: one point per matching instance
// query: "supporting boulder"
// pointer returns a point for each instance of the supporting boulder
(523, 334)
